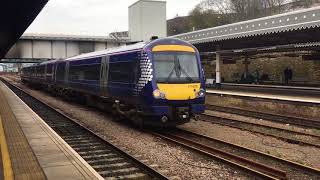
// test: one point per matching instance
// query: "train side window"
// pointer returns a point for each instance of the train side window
(60, 71)
(41, 71)
(34, 71)
(122, 72)
(49, 69)
(85, 72)
(92, 72)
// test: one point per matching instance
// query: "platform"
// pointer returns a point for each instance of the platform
(30, 149)
(275, 86)
(296, 91)
(305, 98)
(306, 106)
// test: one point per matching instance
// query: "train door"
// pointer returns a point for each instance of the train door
(52, 73)
(104, 76)
(45, 73)
(55, 65)
(66, 74)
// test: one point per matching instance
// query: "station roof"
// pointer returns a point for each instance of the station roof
(65, 37)
(15, 17)
(301, 26)
(314, 46)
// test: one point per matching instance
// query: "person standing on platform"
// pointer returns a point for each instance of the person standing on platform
(286, 75)
(290, 74)
(257, 76)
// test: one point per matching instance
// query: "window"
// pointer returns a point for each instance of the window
(60, 71)
(85, 72)
(49, 69)
(40, 71)
(34, 70)
(123, 72)
(173, 67)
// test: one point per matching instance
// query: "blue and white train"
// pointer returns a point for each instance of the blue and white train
(159, 83)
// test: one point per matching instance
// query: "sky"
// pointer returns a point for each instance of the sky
(94, 17)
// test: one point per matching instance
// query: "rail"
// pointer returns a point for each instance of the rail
(106, 158)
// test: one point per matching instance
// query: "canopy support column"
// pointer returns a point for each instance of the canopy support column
(218, 73)
(246, 67)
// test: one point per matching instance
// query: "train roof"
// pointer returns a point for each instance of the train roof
(48, 62)
(128, 48)
(132, 47)
(121, 49)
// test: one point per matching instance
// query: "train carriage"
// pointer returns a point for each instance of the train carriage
(159, 83)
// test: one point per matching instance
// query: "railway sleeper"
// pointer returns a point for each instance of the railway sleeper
(130, 176)
(120, 172)
(61, 124)
(114, 166)
(80, 136)
(93, 152)
(95, 157)
(81, 141)
(106, 160)
(131, 172)
(85, 149)
(84, 145)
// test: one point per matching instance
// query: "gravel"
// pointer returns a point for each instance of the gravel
(302, 154)
(176, 161)
(172, 160)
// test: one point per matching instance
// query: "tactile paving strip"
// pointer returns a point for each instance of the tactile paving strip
(24, 162)
(1, 166)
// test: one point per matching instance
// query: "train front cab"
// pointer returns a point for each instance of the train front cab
(178, 88)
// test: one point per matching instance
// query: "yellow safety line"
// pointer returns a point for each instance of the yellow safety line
(8, 173)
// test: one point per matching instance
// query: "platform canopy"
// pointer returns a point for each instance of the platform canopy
(296, 27)
(15, 17)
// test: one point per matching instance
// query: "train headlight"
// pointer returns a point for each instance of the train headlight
(201, 93)
(158, 94)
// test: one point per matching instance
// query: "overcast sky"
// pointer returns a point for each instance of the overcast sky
(94, 17)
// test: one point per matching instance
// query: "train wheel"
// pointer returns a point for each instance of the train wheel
(138, 121)
(114, 113)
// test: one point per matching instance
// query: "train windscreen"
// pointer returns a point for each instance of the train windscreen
(176, 67)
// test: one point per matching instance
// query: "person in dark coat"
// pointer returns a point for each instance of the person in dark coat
(290, 74)
(286, 75)
(257, 76)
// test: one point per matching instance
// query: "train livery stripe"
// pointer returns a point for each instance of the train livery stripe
(7, 168)
(180, 91)
(160, 48)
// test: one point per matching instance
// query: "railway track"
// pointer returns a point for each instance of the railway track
(309, 123)
(293, 137)
(91, 148)
(260, 164)
(108, 160)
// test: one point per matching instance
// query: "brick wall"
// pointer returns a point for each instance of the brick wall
(308, 71)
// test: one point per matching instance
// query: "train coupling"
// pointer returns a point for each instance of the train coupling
(164, 119)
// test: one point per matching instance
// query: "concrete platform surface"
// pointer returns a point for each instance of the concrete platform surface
(35, 150)
(274, 86)
(293, 98)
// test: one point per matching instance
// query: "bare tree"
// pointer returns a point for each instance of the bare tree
(210, 13)
(239, 10)
(302, 3)
(204, 16)
(274, 6)
(219, 6)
